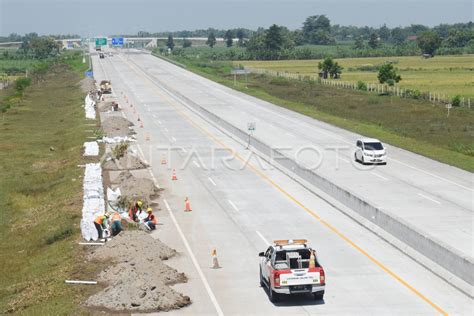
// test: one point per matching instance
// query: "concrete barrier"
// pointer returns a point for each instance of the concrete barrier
(440, 253)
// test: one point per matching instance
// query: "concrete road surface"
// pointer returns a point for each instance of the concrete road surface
(240, 204)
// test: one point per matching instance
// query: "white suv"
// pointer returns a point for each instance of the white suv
(370, 150)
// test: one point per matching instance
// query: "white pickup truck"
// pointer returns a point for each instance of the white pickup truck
(289, 267)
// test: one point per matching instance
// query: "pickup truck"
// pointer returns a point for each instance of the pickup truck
(105, 87)
(290, 267)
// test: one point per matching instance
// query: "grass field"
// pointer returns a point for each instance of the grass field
(450, 75)
(415, 125)
(16, 66)
(41, 197)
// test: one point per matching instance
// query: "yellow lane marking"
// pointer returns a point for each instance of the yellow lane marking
(284, 192)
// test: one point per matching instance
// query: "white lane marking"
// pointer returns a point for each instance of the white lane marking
(173, 139)
(184, 150)
(343, 159)
(233, 205)
(154, 179)
(428, 198)
(380, 176)
(196, 164)
(165, 129)
(154, 115)
(433, 175)
(212, 181)
(167, 205)
(263, 238)
(159, 122)
(195, 262)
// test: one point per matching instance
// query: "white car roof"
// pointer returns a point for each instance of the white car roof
(370, 140)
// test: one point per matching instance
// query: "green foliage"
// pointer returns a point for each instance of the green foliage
(170, 42)
(456, 100)
(187, 43)
(361, 85)
(279, 81)
(329, 68)
(317, 30)
(21, 84)
(428, 42)
(44, 47)
(387, 74)
(119, 150)
(359, 43)
(211, 40)
(229, 38)
(373, 41)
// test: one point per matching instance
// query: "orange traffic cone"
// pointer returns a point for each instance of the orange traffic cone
(141, 124)
(187, 205)
(163, 160)
(174, 177)
(147, 136)
(215, 261)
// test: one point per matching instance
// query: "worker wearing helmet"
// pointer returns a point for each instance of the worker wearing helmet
(150, 220)
(100, 223)
(116, 224)
(137, 208)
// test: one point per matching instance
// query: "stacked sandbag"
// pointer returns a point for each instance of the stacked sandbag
(94, 204)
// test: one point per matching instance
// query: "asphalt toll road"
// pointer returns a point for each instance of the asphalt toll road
(407, 187)
(267, 205)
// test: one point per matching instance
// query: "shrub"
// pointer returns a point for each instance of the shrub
(361, 85)
(456, 100)
(21, 84)
(119, 150)
(279, 81)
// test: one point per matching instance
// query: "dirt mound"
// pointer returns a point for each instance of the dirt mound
(137, 188)
(127, 162)
(138, 280)
(117, 126)
(106, 106)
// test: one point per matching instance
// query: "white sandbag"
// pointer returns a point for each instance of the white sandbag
(93, 200)
(117, 139)
(89, 106)
(91, 149)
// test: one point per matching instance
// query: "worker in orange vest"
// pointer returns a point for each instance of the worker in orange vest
(134, 210)
(100, 224)
(150, 220)
(116, 224)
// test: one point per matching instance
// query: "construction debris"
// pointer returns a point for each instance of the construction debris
(129, 161)
(142, 189)
(138, 281)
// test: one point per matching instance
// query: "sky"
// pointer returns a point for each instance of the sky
(106, 17)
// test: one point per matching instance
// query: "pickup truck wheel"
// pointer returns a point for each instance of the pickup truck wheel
(318, 296)
(274, 297)
(262, 283)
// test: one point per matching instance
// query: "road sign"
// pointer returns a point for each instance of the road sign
(89, 74)
(117, 41)
(100, 41)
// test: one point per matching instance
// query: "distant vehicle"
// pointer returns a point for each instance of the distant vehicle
(105, 87)
(290, 267)
(98, 49)
(101, 55)
(370, 150)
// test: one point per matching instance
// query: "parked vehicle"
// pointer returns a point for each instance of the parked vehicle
(105, 87)
(370, 150)
(289, 267)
